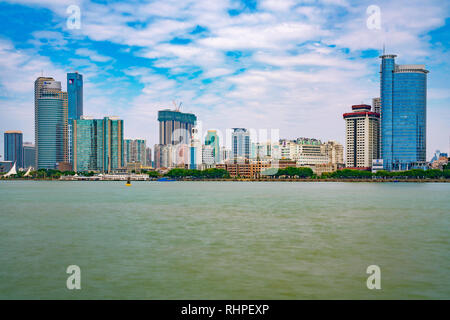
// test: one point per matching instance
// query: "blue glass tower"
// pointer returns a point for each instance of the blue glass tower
(13, 145)
(403, 113)
(50, 122)
(75, 95)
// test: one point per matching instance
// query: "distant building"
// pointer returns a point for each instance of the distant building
(403, 114)
(362, 136)
(240, 139)
(439, 160)
(135, 151)
(98, 144)
(376, 105)
(148, 157)
(13, 145)
(29, 155)
(212, 139)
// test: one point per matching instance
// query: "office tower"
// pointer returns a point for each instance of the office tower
(75, 95)
(376, 107)
(38, 85)
(335, 153)
(164, 157)
(240, 139)
(403, 113)
(13, 145)
(75, 106)
(29, 155)
(50, 124)
(135, 151)
(212, 140)
(148, 157)
(362, 136)
(175, 127)
(97, 144)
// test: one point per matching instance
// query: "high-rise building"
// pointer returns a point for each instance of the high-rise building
(362, 136)
(75, 106)
(75, 95)
(38, 85)
(376, 105)
(403, 113)
(212, 140)
(13, 145)
(97, 144)
(175, 127)
(51, 124)
(240, 139)
(29, 155)
(148, 157)
(135, 151)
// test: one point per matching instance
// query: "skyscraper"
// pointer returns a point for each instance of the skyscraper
(97, 144)
(38, 85)
(240, 139)
(135, 151)
(175, 127)
(362, 136)
(75, 95)
(50, 124)
(29, 155)
(403, 113)
(212, 140)
(13, 145)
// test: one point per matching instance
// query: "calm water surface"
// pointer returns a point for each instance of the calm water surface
(224, 240)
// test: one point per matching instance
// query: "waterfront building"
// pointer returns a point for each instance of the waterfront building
(98, 144)
(240, 139)
(362, 136)
(376, 105)
(403, 112)
(13, 147)
(212, 139)
(175, 127)
(135, 151)
(163, 156)
(148, 157)
(75, 95)
(51, 124)
(75, 105)
(29, 155)
(38, 85)
(208, 154)
(439, 160)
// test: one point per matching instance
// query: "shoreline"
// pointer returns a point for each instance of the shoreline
(254, 180)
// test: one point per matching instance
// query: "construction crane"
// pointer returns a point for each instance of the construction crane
(175, 105)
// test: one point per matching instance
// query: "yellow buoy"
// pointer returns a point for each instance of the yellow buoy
(128, 184)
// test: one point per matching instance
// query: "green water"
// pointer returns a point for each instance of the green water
(224, 240)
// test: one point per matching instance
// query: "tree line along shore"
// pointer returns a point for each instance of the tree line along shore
(287, 174)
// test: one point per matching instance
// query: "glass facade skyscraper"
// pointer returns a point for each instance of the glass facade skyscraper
(50, 127)
(175, 127)
(13, 145)
(97, 144)
(135, 151)
(240, 138)
(403, 114)
(75, 95)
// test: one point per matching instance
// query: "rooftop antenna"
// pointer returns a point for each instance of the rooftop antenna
(384, 49)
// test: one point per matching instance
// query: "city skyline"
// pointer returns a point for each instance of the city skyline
(303, 93)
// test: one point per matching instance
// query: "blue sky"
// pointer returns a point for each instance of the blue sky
(296, 66)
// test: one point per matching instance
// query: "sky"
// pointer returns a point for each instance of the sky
(292, 65)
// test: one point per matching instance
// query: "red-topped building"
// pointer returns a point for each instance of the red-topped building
(362, 136)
